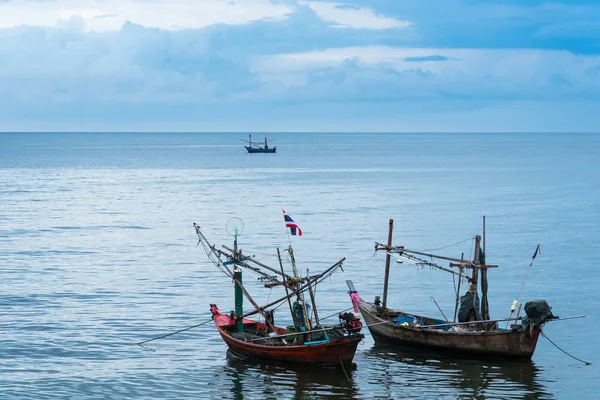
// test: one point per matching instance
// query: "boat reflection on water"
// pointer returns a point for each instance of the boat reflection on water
(385, 372)
(438, 374)
(251, 380)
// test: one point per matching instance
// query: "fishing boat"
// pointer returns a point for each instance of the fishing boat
(307, 341)
(256, 147)
(474, 333)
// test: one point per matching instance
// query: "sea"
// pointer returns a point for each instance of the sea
(98, 253)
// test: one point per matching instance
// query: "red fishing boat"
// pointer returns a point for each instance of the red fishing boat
(329, 346)
(307, 341)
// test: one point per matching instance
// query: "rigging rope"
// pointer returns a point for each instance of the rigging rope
(337, 313)
(537, 251)
(450, 245)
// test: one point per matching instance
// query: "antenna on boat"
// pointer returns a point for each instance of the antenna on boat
(234, 228)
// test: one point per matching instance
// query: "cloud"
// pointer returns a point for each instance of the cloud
(350, 16)
(433, 58)
(558, 24)
(380, 72)
(110, 15)
(286, 63)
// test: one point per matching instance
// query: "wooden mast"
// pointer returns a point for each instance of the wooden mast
(474, 277)
(307, 323)
(387, 265)
(312, 299)
(460, 272)
(485, 308)
(287, 292)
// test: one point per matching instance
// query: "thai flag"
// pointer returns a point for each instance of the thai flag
(289, 223)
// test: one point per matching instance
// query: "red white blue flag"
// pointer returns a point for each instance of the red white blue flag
(289, 223)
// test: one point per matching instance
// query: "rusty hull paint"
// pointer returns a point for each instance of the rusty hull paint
(506, 343)
(333, 354)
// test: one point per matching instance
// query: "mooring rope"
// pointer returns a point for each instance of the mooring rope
(174, 333)
(342, 363)
(570, 355)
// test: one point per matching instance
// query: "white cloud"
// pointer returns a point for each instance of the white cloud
(348, 16)
(109, 15)
(469, 71)
(96, 70)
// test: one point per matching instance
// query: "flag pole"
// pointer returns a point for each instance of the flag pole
(300, 295)
(513, 307)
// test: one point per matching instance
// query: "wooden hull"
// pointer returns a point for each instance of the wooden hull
(332, 354)
(260, 149)
(504, 343)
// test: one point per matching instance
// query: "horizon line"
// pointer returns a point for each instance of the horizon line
(300, 132)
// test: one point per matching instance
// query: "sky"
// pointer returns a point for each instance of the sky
(291, 65)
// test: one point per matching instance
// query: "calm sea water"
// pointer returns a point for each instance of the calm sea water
(97, 253)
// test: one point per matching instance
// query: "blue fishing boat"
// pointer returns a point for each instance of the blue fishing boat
(258, 148)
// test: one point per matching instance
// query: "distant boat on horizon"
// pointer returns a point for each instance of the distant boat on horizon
(257, 148)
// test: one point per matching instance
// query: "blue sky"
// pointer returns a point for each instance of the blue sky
(287, 65)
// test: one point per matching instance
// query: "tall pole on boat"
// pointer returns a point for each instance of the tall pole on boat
(460, 272)
(473, 287)
(484, 234)
(287, 292)
(387, 265)
(239, 299)
(312, 298)
(485, 308)
(306, 318)
(239, 294)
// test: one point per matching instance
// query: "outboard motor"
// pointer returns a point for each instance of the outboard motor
(350, 321)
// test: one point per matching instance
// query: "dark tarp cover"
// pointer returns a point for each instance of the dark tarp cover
(538, 312)
(469, 304)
